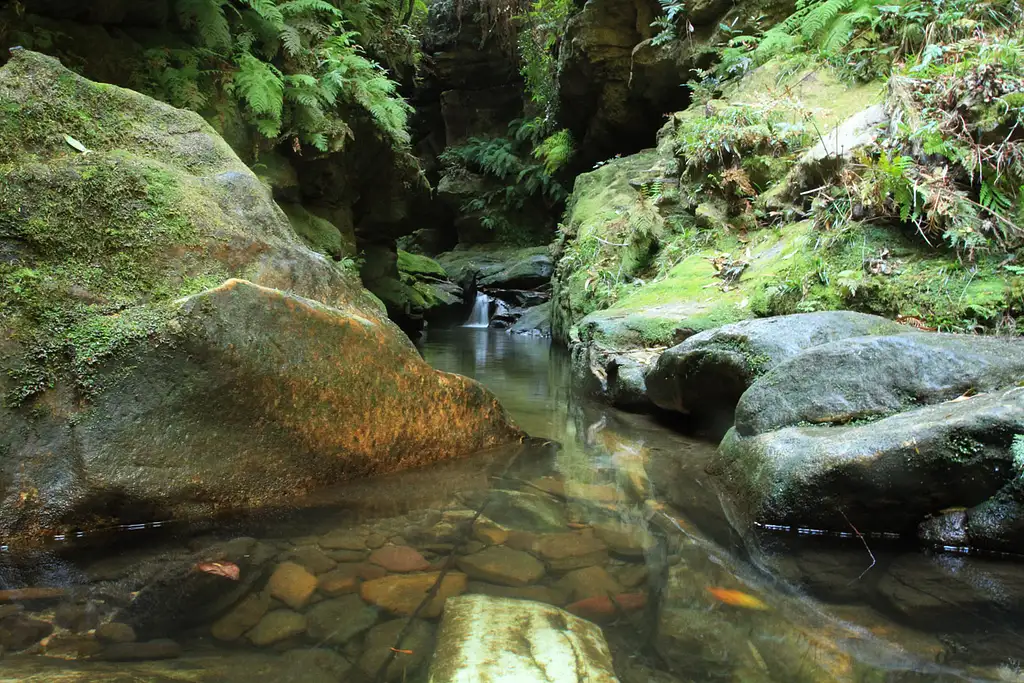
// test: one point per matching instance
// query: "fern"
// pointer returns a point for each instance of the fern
(554, 151)
(261, 86)
(208, 19)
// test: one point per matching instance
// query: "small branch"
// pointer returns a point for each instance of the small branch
(611, 244)
(861, 537)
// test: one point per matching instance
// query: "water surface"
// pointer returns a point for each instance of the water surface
(685, 597)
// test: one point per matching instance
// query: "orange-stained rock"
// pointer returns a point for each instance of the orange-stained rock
(401, 594)
(189, 397)
(292, 584)
(338, 582)
(399, 558)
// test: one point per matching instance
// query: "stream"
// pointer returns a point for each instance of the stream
(634, 514)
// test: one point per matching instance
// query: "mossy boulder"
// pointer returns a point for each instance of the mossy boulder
(134, 382)
(865, 378)
(486, 268)
(415, 289)
(887, 475)
(706, 374)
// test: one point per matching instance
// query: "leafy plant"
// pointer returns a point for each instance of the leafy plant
(294, 66)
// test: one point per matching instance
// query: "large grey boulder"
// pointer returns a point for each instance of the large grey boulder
(870, 377)
(706, 374)
(483, 638)
(169, 347)
(886, 475)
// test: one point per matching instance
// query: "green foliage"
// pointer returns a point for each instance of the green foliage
(541, 28)
(666, 24)
(726, 135)
(293, 65)
(520, 167)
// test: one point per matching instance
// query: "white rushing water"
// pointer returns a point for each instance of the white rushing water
(480, 316)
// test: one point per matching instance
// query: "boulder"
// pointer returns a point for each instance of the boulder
(498, 268)
(887, 475)
(706, 374)
(870, 377)
(141, 387)
(535, 321)
(484, 638)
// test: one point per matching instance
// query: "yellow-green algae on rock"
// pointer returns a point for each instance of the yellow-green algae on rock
(168, 344)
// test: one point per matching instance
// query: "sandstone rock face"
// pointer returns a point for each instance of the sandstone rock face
(155, 385)
(484, 638)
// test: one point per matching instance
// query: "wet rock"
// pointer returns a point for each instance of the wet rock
(485, 638)
(399, 558)
(368, 571)
(161, 648)
(498, 268)
(276, 626)
(292, 584)
(19, 632)
(525, 511)
(374, 541)
(71, 646)
(339, 581)
(499, 564)
(625, 539)
(343, 540)
(242, 617)
(114, 632)
(566, 551)
(303, 661)
(402, 594)
(418, 643)
(339, 620)
(8, 610)
(347, 555)
(77, 618)
(535, 321)
(313, 559)
(870, 377)
(544, 594)
(489, 533)
(590, 582)
(706, 374)
(631, 575)
(887, 475)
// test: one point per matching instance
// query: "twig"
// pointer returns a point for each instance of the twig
(861, 537)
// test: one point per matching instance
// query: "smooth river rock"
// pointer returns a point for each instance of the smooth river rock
(401, 594)
(887, 475)
(871, 377)
(500, 640)
(706, 374)
(506, 566)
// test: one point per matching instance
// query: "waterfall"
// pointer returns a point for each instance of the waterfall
(481, 314)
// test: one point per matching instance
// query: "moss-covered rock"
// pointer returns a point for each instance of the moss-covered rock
(133, 383)
(415, 289)
(677, 240)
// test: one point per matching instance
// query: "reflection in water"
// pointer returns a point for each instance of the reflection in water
(605, 514)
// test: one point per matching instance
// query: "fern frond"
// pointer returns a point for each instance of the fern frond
(260, 85)
(267, 9)
(296, 7)
(208, 19)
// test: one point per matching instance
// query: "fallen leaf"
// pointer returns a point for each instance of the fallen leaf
(75, 143)
(736, 598)
(401, 652)
(229, 570)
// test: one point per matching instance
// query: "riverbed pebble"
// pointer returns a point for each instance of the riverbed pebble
(313, 559)
(399, 558)
(277, 626)
(292, 584)
(342, 539)
(115, 632)
(588, 583)
(401, 594)
(338, 620)
(499, 564)
(245, 615)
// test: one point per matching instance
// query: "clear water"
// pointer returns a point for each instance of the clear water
(779, 607)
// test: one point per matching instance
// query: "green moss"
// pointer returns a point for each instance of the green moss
(417, 265)
(319, 234)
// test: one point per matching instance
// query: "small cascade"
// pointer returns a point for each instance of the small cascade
(481, 313)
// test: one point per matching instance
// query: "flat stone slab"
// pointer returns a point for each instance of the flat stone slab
(501, 640)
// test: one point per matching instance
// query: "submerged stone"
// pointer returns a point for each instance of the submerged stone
(402, 594)
(499, 564)
(414, 648)
(512, 641)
